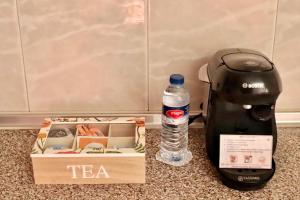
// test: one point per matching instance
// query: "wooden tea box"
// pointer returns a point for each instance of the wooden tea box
(94, 150)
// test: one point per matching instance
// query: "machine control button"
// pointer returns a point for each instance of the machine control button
(247, 107)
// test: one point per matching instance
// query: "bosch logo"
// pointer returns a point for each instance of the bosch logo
(253, 85)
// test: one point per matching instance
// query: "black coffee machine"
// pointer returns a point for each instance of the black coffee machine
(243, 86)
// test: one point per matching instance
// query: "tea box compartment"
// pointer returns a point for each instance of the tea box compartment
(121, 136)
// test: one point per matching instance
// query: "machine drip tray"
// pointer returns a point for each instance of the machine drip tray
(246, 179)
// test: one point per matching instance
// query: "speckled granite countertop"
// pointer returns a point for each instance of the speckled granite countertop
(197, 180)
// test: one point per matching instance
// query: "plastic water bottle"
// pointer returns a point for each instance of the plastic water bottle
(175, 116)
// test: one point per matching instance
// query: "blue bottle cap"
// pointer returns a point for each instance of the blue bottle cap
(176, 79)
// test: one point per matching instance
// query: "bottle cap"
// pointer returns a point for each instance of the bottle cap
(176, 79)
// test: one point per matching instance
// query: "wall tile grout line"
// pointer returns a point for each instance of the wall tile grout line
(22, 53)
(275, 29)
(147, 51)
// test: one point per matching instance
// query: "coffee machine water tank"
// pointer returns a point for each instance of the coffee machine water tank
(243, 86)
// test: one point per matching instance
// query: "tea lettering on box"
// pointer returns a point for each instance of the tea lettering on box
(87, 171)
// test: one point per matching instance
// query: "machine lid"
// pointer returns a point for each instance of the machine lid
(247, 62)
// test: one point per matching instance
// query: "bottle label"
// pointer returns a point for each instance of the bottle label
(175, 115)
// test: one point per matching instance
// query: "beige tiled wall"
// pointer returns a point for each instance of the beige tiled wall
(116, 55)
(84, 56)
(183, 34)
(12, 79)
(287, 53)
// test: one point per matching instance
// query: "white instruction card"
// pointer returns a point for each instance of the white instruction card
(246, 151)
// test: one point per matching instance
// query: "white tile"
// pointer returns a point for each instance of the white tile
(13, 96)
(85, 56)
(286, 54)
(183, 34)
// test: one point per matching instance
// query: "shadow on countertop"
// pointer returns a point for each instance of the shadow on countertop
(197, 180)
